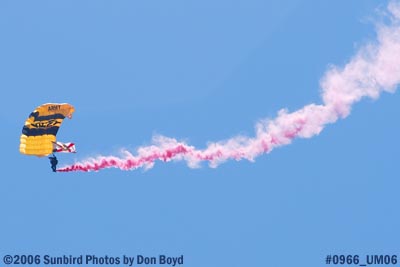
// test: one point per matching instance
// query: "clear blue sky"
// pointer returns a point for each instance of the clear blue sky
(199, 71)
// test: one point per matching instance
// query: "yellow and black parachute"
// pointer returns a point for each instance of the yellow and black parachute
(40, 129)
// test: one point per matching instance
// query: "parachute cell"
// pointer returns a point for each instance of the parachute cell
(40, 129)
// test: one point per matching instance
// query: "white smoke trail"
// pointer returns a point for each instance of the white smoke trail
(373, 69)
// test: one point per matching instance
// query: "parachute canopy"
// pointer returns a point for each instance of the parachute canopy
(40, 129)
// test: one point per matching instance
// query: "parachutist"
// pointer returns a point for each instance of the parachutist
(40, 129)
(53, 162)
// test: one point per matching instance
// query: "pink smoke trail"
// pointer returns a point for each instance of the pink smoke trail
(373, 69)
